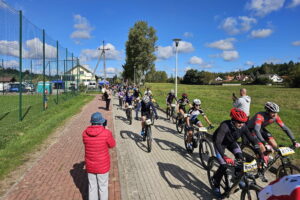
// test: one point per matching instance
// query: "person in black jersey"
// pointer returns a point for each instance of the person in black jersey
(146, 105)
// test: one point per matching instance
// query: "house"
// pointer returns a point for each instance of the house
(84, 75)
(229, 78)
(275, 78)
(242, 77)
(218, 79)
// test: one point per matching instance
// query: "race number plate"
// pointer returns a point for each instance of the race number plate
(130, 106)
(148, 122)
(173, 105)
(202, 129)
(285, 151)
(186, 115)
(250, 166)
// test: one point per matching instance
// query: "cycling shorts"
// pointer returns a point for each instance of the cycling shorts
(146, 114)
(233, 148)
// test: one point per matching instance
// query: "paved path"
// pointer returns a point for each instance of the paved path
(59, 174)
(168, 172)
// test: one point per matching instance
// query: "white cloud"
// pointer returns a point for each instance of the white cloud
(238, 25)
(83, 29)
(264, 7)
(196, 60)
(226, 44)
(91, 54)
(164, 52)
(185, 47)
(206, 65)
(296, 43)
(169, 51)
(249, 63)
(261, 33)
(31, 49)
(111, 70)
(230, 55)
(11, 64)
(187, 68)
(294, 3)
(188, 35)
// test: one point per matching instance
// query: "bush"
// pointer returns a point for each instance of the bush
(262, 81)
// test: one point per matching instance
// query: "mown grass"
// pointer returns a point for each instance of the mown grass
(21, 138)
(217, 101)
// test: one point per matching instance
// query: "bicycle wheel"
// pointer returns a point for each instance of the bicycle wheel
(205, 152)
(173, 116)
(251, 193)
(168, 113)
(149, 139)
(287, 169)
(189, 149)
(130, 117)
(179, 125)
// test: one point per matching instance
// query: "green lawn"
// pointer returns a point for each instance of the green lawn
(17, 139)
(216, 102)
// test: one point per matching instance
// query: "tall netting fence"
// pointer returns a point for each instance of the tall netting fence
(36, 72)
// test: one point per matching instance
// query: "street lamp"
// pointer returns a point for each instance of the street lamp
(176, 40)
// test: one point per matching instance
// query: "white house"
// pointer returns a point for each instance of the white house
(218, 79)
(275, 78)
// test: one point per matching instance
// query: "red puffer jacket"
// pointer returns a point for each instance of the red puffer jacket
(97, 141)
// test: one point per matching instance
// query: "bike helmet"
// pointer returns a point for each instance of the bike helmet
(196, 102)
(184, 95)
(172, 91)
(237, 114)
(272, 107)
(146, 99)
(148, 92)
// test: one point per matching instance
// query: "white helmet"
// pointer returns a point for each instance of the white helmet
(148, 93)
(197, 102)
(146, 99)
(172, 91)
(272, 107)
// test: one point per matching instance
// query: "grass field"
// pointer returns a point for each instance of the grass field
(19, 138)
(217, 101)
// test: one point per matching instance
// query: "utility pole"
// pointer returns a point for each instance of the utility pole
(104, 64)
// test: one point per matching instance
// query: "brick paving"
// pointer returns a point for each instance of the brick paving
(60, 174)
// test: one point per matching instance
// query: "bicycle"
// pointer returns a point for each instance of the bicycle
(170, 112)
(148, 134)
(129, 114)
(285, 168)
(180, 122)
(236, 177)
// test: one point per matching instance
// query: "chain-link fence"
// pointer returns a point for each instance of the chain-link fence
(36, 72)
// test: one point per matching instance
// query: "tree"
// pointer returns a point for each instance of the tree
(140, 48)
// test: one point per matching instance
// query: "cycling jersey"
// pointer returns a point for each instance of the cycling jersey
(182, 103)
(194, 113)
(136, 94)
(129, 99)
(145, 108)
(285, 188)
(226, 134)
(260, 120)
(170, 98)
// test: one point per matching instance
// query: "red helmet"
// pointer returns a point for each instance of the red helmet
(184, 95)
(238, 115)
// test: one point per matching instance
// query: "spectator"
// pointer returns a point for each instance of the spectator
(107, 96)
(97, 141)
(243, 102)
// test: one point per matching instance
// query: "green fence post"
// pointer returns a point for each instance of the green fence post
(77, 75)
(57, 71)
(31, 72)
(67, 78)
(72, 74)
(44, 70)
(20, 65)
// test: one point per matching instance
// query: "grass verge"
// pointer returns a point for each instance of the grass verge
(33, 131)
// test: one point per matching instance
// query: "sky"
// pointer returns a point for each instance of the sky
(216, 35)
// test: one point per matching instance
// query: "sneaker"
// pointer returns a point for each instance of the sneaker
(142, 133)
(262, 177)
(136, 118)
(217, 192)
(189, 145)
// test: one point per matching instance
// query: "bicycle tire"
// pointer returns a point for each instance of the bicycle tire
(179, 127)
(189, 150)
(205, 152)
(149, 139)
(168, 113)
(130, 117)
(173, 116)
(253, 195)
(287, 169)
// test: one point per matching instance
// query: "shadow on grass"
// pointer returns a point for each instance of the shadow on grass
(135, 137)
(80, 179)
(186, 180)
(4, 115)
(26, 112)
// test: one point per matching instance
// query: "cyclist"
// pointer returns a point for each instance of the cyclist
(146, 105)
(128, 98)
(170, 98)
(226, 136)
(192, 119)
(182, 103)
(148, 92)
(285, 188)
(137, 95)
(257, 125)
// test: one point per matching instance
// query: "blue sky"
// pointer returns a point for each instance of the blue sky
(217, 35)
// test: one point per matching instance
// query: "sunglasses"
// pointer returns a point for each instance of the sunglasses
(239, 122)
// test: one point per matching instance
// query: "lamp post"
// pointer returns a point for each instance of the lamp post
(176, 40)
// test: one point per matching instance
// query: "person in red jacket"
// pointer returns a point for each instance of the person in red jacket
(97, 142)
